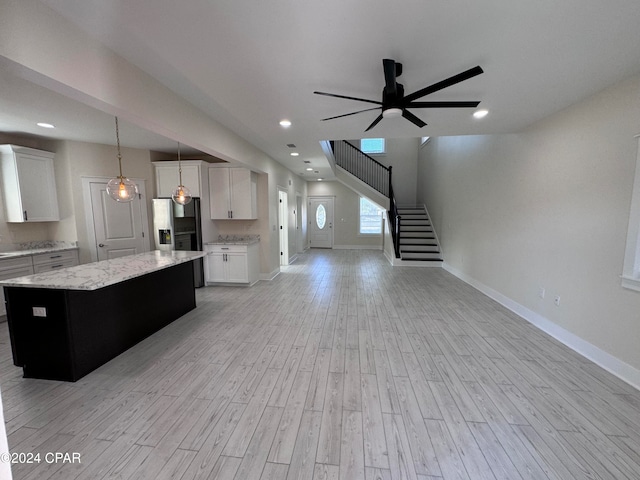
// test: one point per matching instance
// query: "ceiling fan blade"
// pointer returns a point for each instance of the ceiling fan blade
(352, 113)
(348, 98)
(389, 67)
(375, 122)
(461, 77)
(442, 105)
(413, 119)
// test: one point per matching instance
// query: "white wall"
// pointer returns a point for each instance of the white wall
(346, 215)
(547, 208)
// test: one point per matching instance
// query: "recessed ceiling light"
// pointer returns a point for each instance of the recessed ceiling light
(309, 169)
(319, 179)
(294, 154)
(285, 123)
(45, 125)
(480, 113)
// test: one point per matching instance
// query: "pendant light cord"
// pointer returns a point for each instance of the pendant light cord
(118, 144)
(179, 166)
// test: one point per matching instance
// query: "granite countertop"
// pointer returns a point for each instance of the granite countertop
(34, 251)
(235, 240)
(92, 276)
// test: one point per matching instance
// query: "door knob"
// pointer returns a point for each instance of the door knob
(102, 245)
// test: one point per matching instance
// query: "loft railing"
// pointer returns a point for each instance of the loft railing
(374, 174)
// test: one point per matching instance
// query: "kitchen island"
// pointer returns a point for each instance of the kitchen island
(65, 324)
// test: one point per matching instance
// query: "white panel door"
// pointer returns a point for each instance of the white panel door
(321, 222)
(119, 228)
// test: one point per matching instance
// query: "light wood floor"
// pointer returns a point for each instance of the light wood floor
(342, 367)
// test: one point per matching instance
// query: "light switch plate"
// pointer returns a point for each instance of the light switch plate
(39, 312)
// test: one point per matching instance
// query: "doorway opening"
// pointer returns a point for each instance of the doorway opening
(283, 227)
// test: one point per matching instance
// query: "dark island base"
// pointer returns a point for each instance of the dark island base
(85, 329)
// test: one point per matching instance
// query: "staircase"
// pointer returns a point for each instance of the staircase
(410, 231)
(418, 242)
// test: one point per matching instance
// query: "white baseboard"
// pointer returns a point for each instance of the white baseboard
(270, 276)
(357, 247)
(613, 365)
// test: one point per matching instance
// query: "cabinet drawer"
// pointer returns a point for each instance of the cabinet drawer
(66, 256)
(225, 248)
(16, 272)
(49, 267)
(10, 264)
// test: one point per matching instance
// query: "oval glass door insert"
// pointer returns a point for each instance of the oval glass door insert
(321, 217)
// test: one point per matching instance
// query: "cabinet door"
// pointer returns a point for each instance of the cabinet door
(242, 194)
(215, 267)
(168, 178)
(37, 188)
(237, 268)
(219, 193)
(191, 179)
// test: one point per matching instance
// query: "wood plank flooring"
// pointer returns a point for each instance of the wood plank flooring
(341, 368)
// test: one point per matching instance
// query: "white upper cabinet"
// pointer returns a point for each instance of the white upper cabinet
(28, 185)
(233, 193)
(168, 178)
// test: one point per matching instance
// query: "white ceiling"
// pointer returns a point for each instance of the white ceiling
(250, 64)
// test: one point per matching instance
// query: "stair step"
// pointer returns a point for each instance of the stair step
(421, 256)
(410, 210)
(416, 228)
(428, 235)
(419, 248)
(413, 216)
(409, 223)
(413, 245)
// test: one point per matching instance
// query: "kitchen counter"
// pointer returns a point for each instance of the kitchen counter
(34, 251)
(92, 276)
(66, 323)
(235, 240)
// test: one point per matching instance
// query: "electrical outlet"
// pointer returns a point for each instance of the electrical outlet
(39, 312)
(541, 292)
(556, 300)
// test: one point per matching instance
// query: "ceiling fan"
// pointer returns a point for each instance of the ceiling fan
(395, 104)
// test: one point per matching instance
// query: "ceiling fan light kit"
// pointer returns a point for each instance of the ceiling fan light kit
(395, 104)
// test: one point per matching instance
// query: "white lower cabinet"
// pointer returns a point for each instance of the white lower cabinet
(47, 262)
(231, 264)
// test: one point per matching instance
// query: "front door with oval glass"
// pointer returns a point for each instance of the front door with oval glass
(321, 222)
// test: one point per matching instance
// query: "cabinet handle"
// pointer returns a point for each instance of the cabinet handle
(231, 214)
(26, 217)
(55, 256)
(224, 248)
(57, 266)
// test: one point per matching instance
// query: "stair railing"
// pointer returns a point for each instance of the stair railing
(362, 166)
(394, 222)
(374, 174)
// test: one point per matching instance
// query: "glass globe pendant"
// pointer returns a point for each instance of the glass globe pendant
(181, 195)
(120, 188)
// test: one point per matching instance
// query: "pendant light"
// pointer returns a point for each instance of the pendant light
(181, 195)
(120, 188)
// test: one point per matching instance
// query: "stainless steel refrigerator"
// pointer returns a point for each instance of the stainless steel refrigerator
(178, 227)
